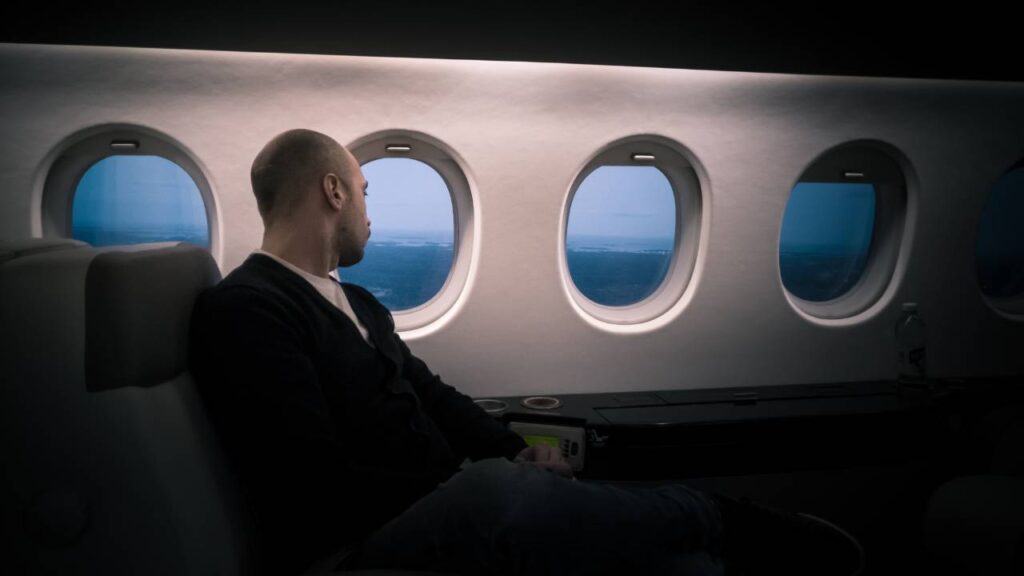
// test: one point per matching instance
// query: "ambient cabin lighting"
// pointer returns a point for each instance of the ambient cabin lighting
(398, 148)
(853, 175)
(643, 157)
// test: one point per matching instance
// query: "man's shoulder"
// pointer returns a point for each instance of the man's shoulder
(257, 282)
(256, 271)
(364, 296)
(360, 292)
(361, 298)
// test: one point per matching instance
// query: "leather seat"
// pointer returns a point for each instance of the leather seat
(111, 464)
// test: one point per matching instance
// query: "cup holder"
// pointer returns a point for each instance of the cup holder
(542, 402)
(491, 406)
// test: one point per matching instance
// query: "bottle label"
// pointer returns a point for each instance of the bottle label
(912, 364)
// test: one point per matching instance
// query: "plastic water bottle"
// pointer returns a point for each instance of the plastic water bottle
(910, 342)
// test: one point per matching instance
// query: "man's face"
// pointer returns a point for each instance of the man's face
(354, 226)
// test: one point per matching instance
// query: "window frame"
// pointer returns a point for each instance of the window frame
(434, 153)
(79, 153)
(680, 169)
(1011, 307)
(883, 171)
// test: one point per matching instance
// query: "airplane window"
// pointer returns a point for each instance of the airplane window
(1000, 248)
(826, 238)
(411, 248)
(620, 235)
(136, 199)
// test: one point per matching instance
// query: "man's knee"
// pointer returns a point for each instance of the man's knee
(497, 491)
(499, 477)
(483, 491)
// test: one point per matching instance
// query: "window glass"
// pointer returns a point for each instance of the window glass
(826, 238)
(1000, 250)
(620, 235)
(136, 199)
(412, 241)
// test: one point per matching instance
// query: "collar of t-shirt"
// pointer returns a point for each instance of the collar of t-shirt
(329, 288)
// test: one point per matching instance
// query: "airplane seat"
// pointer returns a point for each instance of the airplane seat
(111, 464)
(11, 249)
(975, 524)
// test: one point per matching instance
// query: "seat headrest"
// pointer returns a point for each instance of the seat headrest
(137, 309)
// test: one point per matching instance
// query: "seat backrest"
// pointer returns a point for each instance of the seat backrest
(111, 464)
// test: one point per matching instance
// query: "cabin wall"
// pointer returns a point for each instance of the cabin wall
(523, 132)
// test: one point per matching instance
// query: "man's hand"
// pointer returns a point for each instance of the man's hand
(546, 457)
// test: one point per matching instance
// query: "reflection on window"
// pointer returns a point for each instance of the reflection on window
(411, 247)
(1000, 250)
(826, 238)
(621, 230)
(136, 199)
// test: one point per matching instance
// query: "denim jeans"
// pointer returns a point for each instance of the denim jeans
(499, 517)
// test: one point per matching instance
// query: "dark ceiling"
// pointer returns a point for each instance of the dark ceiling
(873, 39)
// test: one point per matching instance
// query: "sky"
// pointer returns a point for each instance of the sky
(1001, 231)
(1000, 244)
(620, 203)
(629, 207)
(834, 217)
(407, 196)
(623, 202)
(136, 193)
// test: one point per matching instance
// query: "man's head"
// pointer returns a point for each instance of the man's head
(307, 183)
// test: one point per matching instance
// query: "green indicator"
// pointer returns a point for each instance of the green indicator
(549, 440)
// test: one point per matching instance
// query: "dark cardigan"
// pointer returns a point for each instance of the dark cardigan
(330, 437)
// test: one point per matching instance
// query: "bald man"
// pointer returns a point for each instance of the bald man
(349, 448)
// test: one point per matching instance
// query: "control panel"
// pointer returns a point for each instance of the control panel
(571, 440)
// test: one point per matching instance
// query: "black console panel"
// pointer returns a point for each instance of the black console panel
(736, 431)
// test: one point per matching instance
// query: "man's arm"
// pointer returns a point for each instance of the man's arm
(262, 389)
(469, 429)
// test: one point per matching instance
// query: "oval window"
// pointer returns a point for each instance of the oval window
(620, 234)
(1000, 248)
(826, 238)
(135, 199)
(412, 243)
(842, 231)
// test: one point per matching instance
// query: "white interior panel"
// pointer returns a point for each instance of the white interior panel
(524, 130)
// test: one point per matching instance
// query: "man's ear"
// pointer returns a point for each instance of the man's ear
(333, 190)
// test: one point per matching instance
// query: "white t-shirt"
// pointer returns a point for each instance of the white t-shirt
(329, 288)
